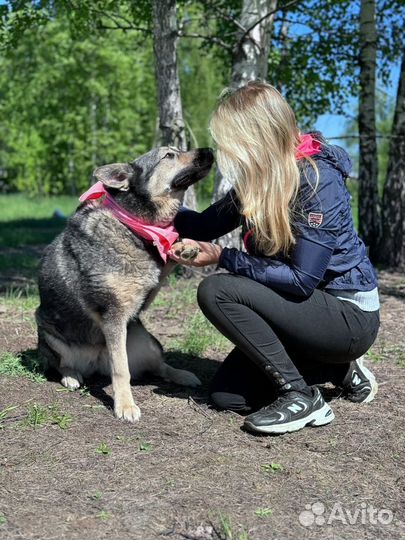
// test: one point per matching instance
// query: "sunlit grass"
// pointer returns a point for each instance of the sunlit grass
(19, 206)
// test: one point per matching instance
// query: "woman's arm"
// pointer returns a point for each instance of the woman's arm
(218, 219)
(307, 266)
(312, 252)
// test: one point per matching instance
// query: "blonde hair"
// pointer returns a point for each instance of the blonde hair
(257, 135)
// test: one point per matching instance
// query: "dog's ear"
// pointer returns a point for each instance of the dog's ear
(115, 175)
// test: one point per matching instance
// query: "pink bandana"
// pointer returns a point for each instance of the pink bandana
(161, 237)
(308, 147)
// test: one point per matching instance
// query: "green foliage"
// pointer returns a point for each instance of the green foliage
(88, 102)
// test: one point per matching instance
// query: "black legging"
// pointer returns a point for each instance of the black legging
(282, 342)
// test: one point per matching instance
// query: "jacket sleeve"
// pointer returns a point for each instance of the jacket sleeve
(318, 229)
(218, 219)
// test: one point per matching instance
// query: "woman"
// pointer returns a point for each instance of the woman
(301, 306)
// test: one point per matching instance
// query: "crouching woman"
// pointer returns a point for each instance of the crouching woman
(301, 304)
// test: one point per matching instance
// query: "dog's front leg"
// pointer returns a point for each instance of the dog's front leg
(124, 405)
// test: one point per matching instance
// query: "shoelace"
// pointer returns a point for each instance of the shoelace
(279, 401)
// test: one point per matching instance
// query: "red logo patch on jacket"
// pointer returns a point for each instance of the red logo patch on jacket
(315, 219)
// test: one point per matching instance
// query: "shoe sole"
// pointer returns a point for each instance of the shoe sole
(318, 418)
(373, 383)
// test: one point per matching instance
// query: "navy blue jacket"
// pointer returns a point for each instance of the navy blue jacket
(328, 254)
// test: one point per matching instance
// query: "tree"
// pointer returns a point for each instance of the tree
(171, 123)
(392, 245)
(369, 208)
(249, 61)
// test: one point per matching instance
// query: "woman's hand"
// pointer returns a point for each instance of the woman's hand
(209, 253)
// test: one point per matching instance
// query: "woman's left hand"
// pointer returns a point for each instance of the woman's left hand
(209, 253)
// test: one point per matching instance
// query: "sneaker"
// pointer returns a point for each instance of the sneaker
(359, 384)
(290, 412)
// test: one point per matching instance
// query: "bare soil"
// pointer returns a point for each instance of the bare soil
(188, 471)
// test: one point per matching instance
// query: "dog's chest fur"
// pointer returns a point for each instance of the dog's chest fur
(97, 265)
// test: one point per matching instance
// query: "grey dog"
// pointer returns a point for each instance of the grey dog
(97, 276)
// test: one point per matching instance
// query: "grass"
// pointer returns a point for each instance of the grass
(103, 515)
(200, 336)
(271, 467)
(263, 512)
(37, 415)
(145, 446)
(226, 528)
(103, 449)
(30, 221)
(25, 298)
(4, 413)
(42, 415)
(27, 365)
(20, 206)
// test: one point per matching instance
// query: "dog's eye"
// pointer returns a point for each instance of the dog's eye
(169, 155)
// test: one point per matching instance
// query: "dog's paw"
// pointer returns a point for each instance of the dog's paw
(186, 252)
(127, 411)
(72, 382)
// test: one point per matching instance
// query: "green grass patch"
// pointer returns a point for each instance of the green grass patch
(103, 449)
(27, 365)
(24, 298)
(263, 512)
(271, 467)
(199, 336)
(42, 415)
(19, 206)
(29, 221)
(24, 262)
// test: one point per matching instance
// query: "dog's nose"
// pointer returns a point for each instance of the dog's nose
(205, 155)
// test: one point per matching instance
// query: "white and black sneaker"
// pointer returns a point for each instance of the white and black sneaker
(359, 384)
(290, 412)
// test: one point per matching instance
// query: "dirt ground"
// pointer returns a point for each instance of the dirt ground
(188, 471)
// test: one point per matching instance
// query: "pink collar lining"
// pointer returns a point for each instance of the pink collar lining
(308, 146)
(161, 237)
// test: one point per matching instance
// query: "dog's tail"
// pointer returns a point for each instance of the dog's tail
(178, 376)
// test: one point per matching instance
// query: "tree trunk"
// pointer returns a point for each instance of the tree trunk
(250, 61)
(171, 124)
(392, 248)
(369, 208)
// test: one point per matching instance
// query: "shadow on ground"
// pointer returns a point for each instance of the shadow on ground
(204, 368)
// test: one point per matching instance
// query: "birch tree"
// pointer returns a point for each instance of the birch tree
(369, 206)
(171, 123)
(249, 61)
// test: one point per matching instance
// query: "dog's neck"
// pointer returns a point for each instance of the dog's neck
(160, 211)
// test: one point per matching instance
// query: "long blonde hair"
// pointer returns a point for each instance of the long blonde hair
(257, 135)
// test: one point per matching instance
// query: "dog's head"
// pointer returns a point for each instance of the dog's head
(153, 185)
